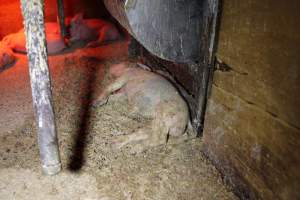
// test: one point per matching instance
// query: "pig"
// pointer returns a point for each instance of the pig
(93, 31)
(6, 56)
(152, 97)
(16, 41)
(55, 43)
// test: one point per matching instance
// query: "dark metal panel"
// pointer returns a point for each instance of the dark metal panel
(168, 29)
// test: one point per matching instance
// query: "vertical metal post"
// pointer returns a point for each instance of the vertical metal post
(206, 64)
(34, 26)
(61, 18)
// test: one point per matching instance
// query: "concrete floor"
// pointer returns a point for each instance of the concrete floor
(92, 167)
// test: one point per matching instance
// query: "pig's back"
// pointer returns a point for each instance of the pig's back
(96, 23)
(148, 90)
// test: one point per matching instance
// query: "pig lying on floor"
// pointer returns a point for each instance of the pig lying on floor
(6, 56)
(151, 96)
(94, 31)
(55, 44)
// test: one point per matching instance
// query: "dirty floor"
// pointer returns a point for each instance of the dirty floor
(94, 168)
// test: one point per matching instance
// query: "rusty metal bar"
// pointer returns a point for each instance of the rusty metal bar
(33, 15)
(61, 18)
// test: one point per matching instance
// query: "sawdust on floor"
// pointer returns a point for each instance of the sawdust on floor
(93, 167)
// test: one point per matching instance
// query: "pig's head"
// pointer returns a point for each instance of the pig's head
(119, 69)
(80, 29)
(76, 25)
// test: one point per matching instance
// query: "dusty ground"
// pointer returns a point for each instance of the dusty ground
(93, 166)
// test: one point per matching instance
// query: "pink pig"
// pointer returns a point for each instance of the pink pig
(55, 44)
(94, 31)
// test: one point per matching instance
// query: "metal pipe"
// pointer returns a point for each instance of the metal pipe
(34, 26)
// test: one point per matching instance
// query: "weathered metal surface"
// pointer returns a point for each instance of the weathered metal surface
(168, 29)
(33, 14)
(204, 72)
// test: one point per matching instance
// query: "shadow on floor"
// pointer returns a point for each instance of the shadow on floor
(77, 159)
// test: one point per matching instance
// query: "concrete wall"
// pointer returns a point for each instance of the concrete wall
(252, 127)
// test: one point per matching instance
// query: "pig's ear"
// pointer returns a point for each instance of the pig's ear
(78, 17)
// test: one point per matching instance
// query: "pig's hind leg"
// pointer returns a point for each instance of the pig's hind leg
(102, 38)
(109, 90)
(106, 34)
(93, 44)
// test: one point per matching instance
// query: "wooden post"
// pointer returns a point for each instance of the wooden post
(33, 15)
(61, 18)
